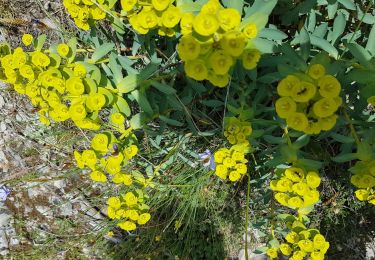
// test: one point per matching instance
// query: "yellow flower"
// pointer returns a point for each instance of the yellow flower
(27, 72)
(327, 123)
(241, 168)
(98, 176)
(221, 171)
(127, 179)
(306, 245)
(319, 241)
(233, 43)
(316, 71)
(114, 202)
(294, 174)
(300, 188)
(60, 113)
(317, 255)
(229, 19)
(362, 194)
(132, 214)
(74, 86)
(89, 158)
(220, 81)
(128, 5)
(148, 19)
(186, 23)
(79, 70)
(298, 255)
(113, 164)
(40, 59)
(144, 218)
(329, 86)
(117, 118)
(285, 249)
(219, 156)
(234, 176)
(295, 202)
(27, 39)
(324, 107)
(127, 225)
(63, 49)
(287, 85)
(164, 31)
(371, 100)
(211, 7)
(188, 48)
(135, 23)
(97, 13)
(229, 162)
(95, 101)
(196, 69)
(77, 111)
(285, 106)
(250, 58)
(311, 197)
(292, 237)
(130, 151)
(272, 252)
(100, 143)
(313, 179)
(220, 62)
(160, 5)
(250, 31)
(130, 199)
(282, 198)
(297, 121)
(303, 92)
(171, 17)
(79, 161)
(205, 24)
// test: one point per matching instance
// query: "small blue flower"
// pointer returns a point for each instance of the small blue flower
(4, 192)
(207, 159)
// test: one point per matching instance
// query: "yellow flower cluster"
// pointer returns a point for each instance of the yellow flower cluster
(86, 12)
(364, 179)
(296, 188)
(60, 90)
(371, 101)
(309, 101)
(107, 158)
(237, 131)
(129, 209)
(300, 243)
(213, 41)
(153, 14)
(231, 163)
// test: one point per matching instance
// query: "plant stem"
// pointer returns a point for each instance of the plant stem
(247, 217)
(352, 129)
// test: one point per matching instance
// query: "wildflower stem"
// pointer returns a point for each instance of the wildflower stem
(247, 217)
(352, 129)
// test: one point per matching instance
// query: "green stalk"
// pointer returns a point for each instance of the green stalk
(247, 217)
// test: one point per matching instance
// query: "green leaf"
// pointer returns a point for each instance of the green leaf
(304, 41)
(349, 4)
(345, 157)
(115, 68)
(274, 139)
(362, 55)
(162, 87)
(170, 121)
(274, 243)
(102, 51)
(293, 56)
(130, 82)
(324, 45)
(370, 46)
(72, 43)
(301, 141)
(138, 121)
(342, 138)
(261, 6)
(338, 27)
(261, 250)
(122, 106)
(238, 4)
(39, 42)
(143, 102)
(110, 97)
(265, 46)
(90, 86)
(273, 34)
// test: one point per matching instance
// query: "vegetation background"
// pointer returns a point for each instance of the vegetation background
(53, 211)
